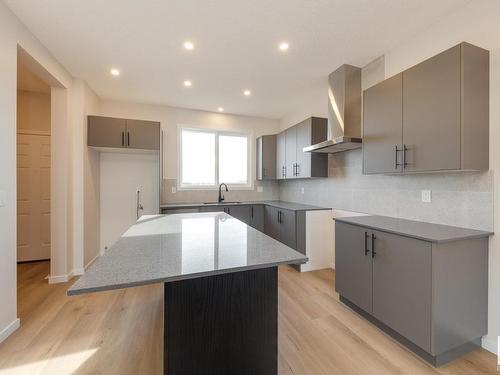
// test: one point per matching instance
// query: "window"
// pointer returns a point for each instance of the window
(208, 158)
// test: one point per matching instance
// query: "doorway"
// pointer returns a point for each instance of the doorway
(33, 166)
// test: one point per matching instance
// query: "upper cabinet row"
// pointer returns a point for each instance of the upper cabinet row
(109, 132)
(431, 117)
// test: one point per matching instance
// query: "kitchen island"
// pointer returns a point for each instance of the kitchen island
(220, 285)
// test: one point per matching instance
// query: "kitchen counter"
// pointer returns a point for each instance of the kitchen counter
(278, 204)
(160, 249)
(420, 230)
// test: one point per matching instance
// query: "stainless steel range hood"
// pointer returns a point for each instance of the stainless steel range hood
(344, 112)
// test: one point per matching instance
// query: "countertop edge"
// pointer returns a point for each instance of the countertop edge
(483, 234)
(245, 203)
(71, 293)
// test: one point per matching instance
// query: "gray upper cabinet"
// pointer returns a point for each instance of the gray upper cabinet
(402, 286)
(431, 117)
(292, 162)
(122, 133)
(266, 157)
(431, 113)
(144, 135)
(353, 265)
(383, 126)
(281, 155)
(106, 132)
(290, 151)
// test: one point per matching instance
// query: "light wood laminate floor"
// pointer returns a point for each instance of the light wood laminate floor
(121, 332)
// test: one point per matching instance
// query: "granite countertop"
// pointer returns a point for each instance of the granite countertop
(278, 204)
(416, 229)
(164, 248)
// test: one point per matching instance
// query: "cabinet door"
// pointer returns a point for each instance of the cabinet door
(269, 157)
(143, 135)
(431, 113)
(291, 151)
(259, 158)
(383, 126)
(288, 232)
(303, 168)
(241, 213)
(257, 217)
(280, 155)
(353, 267)
(210, 208)
(402, 286)
(271, 224)
(106, 132)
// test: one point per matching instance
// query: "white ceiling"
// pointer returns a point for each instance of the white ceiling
(236, 45)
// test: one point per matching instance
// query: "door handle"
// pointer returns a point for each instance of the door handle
(294, 169)
(396, 150)
(366, 244)
(297, 170)
(251, 212)
(404, 156)
(373, 245)
(128, 138)
(123, 139)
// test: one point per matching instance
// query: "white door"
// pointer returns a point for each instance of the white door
(33, 197)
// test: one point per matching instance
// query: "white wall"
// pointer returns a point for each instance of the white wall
(12, 33)
(466, 196)
(170, 118)
(121, 174)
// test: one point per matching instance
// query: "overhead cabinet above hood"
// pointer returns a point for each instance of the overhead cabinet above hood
(344, 112)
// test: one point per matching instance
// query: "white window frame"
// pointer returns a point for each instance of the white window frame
(249, 135)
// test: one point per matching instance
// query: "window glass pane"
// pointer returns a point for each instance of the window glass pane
(233, 155)
(198, 158)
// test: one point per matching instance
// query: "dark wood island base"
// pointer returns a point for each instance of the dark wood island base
(222, 324)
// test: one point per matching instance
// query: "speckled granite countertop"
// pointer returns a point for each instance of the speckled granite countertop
(163, 248)
(416, 229)
(279, 204)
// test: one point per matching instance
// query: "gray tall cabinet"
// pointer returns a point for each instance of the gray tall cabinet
(266, 157)
(291, 161)
(431, 117)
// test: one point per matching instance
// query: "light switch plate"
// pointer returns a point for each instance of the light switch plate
(260, 189)
(426, 196)
(174, 190)
(2, 198)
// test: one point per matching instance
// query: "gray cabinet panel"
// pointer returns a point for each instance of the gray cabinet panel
(303, 168)
(431, 113)
(271, 223)
(281, 155)
(402, 286)
(239, 212)
(353, 266)
(212, 209)
(257, 217)
(106, 132)
(266, 157)
(383, 126)
(144, 135)
(291, 151)
(288, 231)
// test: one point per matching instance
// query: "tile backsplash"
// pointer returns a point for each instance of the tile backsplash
(458, 198)
(270, 191)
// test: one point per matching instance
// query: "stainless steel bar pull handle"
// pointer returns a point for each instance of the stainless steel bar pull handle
(396, 164)
(404, 156)
(373, 245)
(366, 243)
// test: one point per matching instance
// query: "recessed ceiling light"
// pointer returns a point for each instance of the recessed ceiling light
(188, 83)
(115, 72)
(247, 93)
(220, 109)
(188, 45)
(284, 46)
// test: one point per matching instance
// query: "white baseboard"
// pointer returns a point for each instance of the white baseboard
(61, 278)
(9, 330)
(490, 345)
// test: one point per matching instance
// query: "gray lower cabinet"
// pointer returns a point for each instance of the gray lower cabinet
(431, 117)
(432, 297)
(252, 215)
(257, 217)
(281, 225)
(266, 157)
(271, 222)
(112, 132)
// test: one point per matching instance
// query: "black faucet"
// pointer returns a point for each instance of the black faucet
(221, 197)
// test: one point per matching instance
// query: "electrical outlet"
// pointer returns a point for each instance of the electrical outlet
(426, 196)
(301, 190)
(2, 198)
(260, 189)
(174, 190)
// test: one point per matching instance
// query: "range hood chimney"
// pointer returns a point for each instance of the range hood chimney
(344, 112)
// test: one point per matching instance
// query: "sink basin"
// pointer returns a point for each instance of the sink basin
(225, 202)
